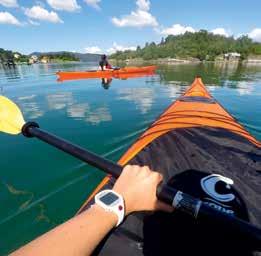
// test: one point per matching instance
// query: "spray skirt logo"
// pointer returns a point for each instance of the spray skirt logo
(209, 184)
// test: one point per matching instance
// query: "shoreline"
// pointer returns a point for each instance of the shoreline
(40, 63)
(174, 61)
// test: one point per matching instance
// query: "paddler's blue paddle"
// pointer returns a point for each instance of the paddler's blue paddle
(12, 122)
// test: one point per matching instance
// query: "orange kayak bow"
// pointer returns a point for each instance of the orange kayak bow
(196, 108)
(194, 138)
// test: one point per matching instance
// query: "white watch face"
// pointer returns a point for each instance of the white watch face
(109, 198)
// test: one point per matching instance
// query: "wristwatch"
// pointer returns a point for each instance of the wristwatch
(112, 202)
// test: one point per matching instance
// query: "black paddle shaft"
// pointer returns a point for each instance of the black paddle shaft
(31, 129)
(201, 211)
(181, 201)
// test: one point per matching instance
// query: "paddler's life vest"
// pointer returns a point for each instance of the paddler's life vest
(108, 66)
(105, 63)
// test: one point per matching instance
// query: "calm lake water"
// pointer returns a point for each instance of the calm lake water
(41, 187)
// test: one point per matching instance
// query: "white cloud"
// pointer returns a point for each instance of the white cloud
(116, 47)
(220, 31)
(143, 5)
(238, 35)
(64, 5)
(177, 29)
(93, 3)
(138, 18)
(34, 23)
(93, 49)
(255, 34)
(8, 18)
(39, 13)
(9, 3)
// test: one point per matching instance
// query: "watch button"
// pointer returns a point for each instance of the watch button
(120, 207)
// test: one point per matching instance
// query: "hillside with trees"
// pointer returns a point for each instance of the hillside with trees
(60, 57)
(85, 57)
(7, 56)
(201, 45)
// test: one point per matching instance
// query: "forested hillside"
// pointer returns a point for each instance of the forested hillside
(201, 45)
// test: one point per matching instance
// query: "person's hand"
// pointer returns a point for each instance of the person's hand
(138, 187)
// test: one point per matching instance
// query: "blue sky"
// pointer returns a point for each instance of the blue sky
(109, 25)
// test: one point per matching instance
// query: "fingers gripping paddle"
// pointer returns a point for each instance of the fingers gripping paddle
(12, 122)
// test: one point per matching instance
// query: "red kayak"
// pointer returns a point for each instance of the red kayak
(113, 73)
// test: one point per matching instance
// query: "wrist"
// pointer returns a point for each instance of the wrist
(127, 211)
(112, 202)
(108, 215)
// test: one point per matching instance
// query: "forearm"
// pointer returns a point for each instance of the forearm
(78, 236)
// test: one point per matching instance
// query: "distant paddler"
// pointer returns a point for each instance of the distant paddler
(104, 63)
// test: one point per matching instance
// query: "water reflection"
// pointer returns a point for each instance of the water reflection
(89, 114)
(30, 106)
(142, 97)
(212, 73)
(27, 97)
(106, 82)
(174, 91)
(59, 100)
(242, 87)
(245, 88)
(78, 111)
(227, 68)
(33, 107)
(11, 73)
(100, 114)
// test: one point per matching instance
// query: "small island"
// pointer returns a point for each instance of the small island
(10, 58)
(53, 58)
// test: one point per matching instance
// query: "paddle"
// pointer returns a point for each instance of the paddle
(12, 122)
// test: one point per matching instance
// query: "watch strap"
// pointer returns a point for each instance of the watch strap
(118, 209)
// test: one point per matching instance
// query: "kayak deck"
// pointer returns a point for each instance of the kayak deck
(122, 73)
(196, 108)
(194, 135)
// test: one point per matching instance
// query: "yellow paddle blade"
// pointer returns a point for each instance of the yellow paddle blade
(11, 118)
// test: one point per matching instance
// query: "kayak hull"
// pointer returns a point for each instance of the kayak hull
(195, 136)
(122, 73)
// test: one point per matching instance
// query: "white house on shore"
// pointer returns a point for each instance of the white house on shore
(17, 56)
(33, 59)
(232, 56)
